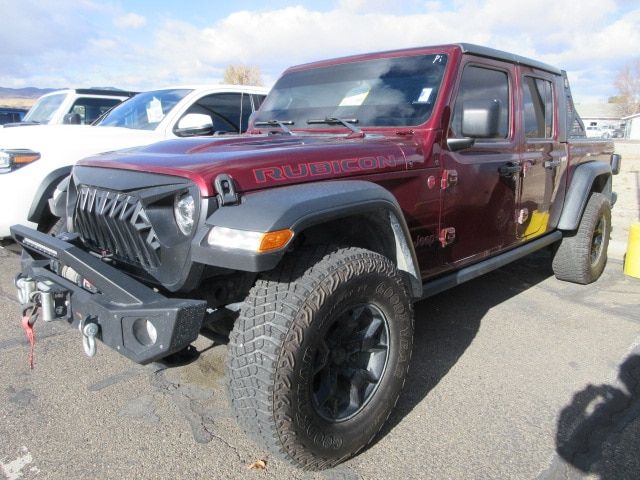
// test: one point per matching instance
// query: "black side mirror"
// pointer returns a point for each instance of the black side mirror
(72, 119)
(481, 118)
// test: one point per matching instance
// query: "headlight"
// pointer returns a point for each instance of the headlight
(16, 158)
(258, 242)
(184, 209)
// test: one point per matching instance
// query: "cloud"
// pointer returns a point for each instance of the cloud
(592, 39)
(130, 20)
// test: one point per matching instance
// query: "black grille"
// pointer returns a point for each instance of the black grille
(116, 224)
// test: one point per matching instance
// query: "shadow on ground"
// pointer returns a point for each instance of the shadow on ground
(599, 432)
(445, 325)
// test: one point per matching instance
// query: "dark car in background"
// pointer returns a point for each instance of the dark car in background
(11, 115)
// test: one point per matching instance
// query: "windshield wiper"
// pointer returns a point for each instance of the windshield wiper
(347, 122)
(276, 123)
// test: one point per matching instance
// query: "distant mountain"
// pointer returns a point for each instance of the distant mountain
(27, 92)
(33, 92)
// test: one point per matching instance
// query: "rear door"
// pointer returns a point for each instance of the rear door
(478, 209)
(543, 155)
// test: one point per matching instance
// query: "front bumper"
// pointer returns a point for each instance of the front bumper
(98, 293)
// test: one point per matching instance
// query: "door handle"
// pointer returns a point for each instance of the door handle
(509, 169)
(551, 164)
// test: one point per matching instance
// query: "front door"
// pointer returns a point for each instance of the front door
(478, 210)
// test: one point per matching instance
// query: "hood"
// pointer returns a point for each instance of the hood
(260, 161)
(73, 139)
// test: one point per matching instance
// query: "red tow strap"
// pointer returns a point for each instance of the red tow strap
(27, 326)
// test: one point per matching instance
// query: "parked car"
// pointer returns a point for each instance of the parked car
(365, 184)
(594, 131)
(11, 115)
(80, 106)
(34, 160)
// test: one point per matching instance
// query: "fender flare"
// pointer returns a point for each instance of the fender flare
(299, 207)
(581, 186)
(40, 205)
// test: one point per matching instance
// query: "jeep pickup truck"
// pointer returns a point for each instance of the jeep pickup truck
(364, 184)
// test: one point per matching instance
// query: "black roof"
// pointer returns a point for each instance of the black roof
(508, 57)
(108, 92)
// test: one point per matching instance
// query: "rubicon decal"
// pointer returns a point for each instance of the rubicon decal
(323, 168)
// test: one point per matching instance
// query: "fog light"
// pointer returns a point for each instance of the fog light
(144, 332)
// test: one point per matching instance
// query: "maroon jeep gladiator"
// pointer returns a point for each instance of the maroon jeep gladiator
(365, 184)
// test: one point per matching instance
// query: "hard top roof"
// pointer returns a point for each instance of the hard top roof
(468, 48)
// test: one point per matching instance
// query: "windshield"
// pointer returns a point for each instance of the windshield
(44, 108)
(372, 93)
(144, 111)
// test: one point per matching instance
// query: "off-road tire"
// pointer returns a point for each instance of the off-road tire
(582, 255)
(281, 333)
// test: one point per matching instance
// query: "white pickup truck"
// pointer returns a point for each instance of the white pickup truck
(72, 106)
(34, 160)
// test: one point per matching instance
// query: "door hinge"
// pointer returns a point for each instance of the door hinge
(449, 178)
(226, 190)
(447, 236)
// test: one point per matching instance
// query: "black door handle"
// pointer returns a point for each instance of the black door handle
(509, 169)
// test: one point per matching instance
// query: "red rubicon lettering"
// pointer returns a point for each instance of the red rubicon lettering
(273, 173)
(323, 168)
(320, 168)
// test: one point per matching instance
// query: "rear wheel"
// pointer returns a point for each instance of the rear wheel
(319, 354)
(582, 256)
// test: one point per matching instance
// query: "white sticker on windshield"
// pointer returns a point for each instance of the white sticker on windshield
(356, 96)
(425, 95)
(154, 111)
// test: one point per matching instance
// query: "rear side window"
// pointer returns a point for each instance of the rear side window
(480, 83)
(90, 109)
(537, 107)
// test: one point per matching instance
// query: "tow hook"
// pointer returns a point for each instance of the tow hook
(89, 329)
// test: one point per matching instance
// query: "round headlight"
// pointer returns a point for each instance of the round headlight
(184, 210)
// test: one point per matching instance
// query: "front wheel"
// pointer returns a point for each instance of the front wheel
(320, 353)
(582, 256)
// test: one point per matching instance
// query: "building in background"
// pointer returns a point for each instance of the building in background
(632, 127)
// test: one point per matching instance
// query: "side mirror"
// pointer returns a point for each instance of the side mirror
(481, 118)
(72, 119)
(193, 124)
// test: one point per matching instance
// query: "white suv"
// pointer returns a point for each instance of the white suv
(34, 160)
(79, 106)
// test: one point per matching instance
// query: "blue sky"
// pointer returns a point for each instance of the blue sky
(141, 44)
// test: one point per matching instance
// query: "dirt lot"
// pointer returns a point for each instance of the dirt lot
(515, 375)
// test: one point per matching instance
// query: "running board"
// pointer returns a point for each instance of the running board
(465, 274)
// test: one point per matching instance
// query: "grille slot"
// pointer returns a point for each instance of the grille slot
(118, 224)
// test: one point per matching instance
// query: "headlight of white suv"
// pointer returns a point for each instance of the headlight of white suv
(184, 209)
(12, 159)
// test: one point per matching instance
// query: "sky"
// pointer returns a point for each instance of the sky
(148, 44)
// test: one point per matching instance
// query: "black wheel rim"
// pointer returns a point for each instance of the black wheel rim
(350, 362)
(597, 241)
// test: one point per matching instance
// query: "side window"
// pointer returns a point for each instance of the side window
(482, 84)
(91, 108)
(257, 100)
(247, 110)
(229, 112)
(537, 107)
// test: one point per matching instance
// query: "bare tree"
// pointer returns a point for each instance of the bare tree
(239, 74)
(628, 86)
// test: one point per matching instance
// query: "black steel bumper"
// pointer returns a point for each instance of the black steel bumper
(121, 306)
